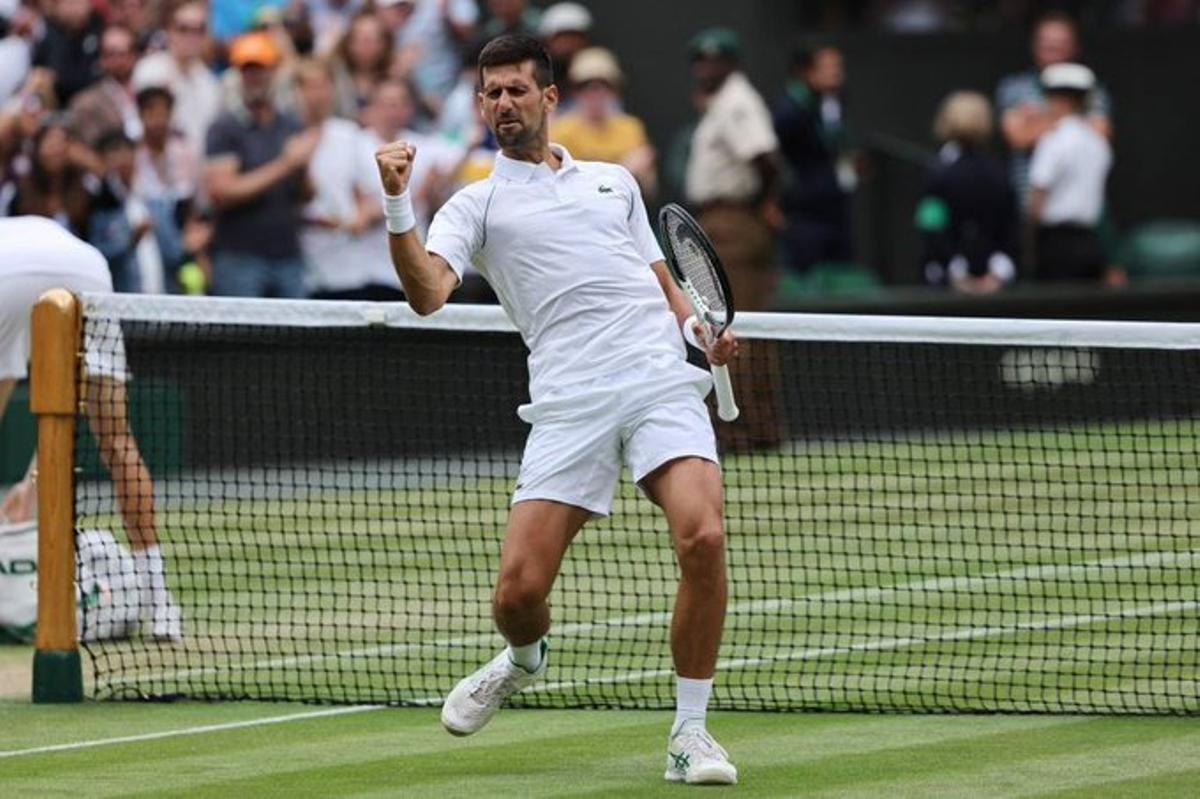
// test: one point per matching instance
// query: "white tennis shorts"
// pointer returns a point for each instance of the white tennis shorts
(575, 450)
(104, 348)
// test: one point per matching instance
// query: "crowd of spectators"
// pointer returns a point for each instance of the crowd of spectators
(227, 148)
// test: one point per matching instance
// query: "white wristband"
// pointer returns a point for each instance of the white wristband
(689, 334)
(398, 213)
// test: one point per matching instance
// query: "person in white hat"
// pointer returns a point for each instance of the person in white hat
(565, 31)
(1067, 176)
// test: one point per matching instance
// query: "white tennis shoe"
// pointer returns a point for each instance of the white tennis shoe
(166, 621)
(478, 697)
(695, 758)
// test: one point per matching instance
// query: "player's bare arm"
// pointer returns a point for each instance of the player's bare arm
(721, 352)
(427, 278)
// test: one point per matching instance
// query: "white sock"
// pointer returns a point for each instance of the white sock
(528, 657)
(152, 574)
(691, 701)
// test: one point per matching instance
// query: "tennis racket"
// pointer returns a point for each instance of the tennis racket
(698, 272)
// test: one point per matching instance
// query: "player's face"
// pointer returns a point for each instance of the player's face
(514, 107)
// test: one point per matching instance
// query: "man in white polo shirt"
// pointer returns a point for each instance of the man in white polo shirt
(37, 255)
(568, 249)
(1067, 176)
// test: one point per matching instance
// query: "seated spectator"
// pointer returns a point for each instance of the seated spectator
(968, 214)
(166, 177)
(808, 120)
(70, 47)
(120, 226)
(360, 62)
(341, 229)
(1021, 102)
(564, 30)
(60, 180)
(1066, 177)
(255, 180)
(107, 106)
(183, 70)
(596, 129)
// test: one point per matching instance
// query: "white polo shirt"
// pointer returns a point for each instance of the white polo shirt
(36, 255)
(1071, 163)
(568, 253)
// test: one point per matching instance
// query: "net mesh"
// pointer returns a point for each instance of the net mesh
(941, 525)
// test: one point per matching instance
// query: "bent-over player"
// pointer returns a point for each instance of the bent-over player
(37, 255)
(568, 249)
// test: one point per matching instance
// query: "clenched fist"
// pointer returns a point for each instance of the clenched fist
(395, 166)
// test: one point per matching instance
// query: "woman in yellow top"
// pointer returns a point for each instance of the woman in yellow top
(595, 128)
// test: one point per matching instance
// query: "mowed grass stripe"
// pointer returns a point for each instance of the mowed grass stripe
(581, 753)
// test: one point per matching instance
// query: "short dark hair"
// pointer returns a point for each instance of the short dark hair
(1057, 17)
(152, 94)
(113, 140)
(804, 53)
(517, 48)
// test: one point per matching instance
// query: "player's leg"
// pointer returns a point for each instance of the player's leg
(689, 492)
(21, 500)
(538, 534)
(107, 414)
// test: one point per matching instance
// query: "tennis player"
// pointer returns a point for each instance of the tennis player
(568, 249)
(37, 255)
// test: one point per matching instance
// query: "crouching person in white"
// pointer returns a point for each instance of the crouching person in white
(37, 255)
(568, 249)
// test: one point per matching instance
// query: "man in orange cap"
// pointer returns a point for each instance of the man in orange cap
(256, 178)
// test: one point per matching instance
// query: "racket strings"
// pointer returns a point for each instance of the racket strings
(696, 267)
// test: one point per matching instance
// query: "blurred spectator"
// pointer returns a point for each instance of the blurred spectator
(511, 16)
(139, 18)
(732, 180)
(390, 118)
(808, 120)
(59, 181)
(268, 22)
(968, 214)
(16, 35)
(596, 129)
(166, 177)
(361, 61)
(1069, 168)
(433, 40)
(182, 70)
(459, 120)
(255, 180)
(732, 176)
(107, 106)
(345, 207)
(70, 47)
(330, 19)
(1021, 102)
(120, 226)
(564, 31)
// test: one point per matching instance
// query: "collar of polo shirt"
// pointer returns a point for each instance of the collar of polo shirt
(515, 171)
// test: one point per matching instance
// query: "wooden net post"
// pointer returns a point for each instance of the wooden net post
(54, 398)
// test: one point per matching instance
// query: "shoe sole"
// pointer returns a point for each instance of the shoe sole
(709, 778)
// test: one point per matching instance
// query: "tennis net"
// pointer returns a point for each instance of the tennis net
(923, 514)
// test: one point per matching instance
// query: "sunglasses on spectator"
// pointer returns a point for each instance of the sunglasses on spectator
(198, 30)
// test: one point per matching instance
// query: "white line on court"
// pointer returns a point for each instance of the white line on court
(1094, 569)
(879, 645)
(886, 644)
(154, 736)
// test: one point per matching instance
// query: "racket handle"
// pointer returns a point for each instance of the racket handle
(727, 407)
